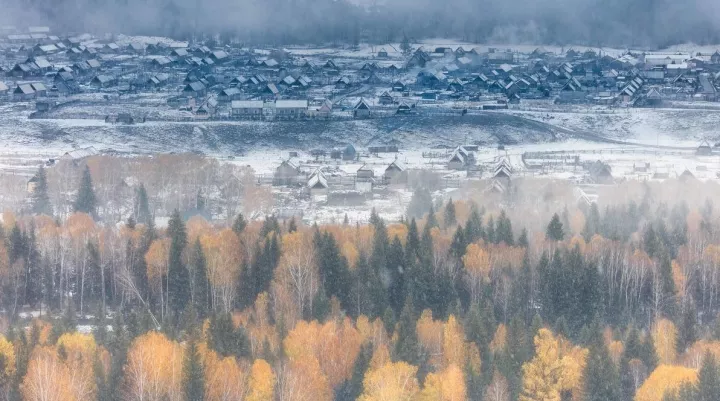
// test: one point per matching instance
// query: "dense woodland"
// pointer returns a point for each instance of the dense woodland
(462, 300)
(653, 23)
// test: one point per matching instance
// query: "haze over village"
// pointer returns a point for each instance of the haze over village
(338, 200)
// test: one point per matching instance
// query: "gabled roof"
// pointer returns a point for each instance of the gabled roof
(317, 180)
(24, 89)
(361, 105)
(395, 165)
(194, 87)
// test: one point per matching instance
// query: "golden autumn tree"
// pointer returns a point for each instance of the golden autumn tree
(392, 381)
(153, 370)
(499, 339)
(549, 372)
(448, 385)
(454, 343)
(262, 382)
(664, 335)
(335, 345)
(225, 379)
(47, 377)
(157, 259)
(664, 378)
(303, 380)
(297, 272)
(7, 354)
(224, 254)
(78, 354)
(477, 265)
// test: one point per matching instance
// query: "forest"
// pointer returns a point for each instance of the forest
(524, 298)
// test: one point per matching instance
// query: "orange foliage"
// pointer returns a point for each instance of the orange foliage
(392, 381)
(664, 378)
(154, 368)
(335, 345)
(262, 382)
(664, 336)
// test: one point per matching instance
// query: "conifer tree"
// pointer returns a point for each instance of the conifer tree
(490, 231)
(555, 230)
(406, 349)
(86, 202)
(708, 386)
(200, 282)
(142, 206)
(503, 232)
(602, 381)
(239, 224)
(431, 219)
(450, 218)
(523, 238)
(40, 201)
(193, 375)
(178, 275)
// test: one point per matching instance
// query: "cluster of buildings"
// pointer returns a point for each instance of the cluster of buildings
(243, 83)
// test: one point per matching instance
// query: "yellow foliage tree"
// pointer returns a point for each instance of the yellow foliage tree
(79, 357)
(454, 344)
(335, 345)
(154, 369)
(262, 382)
(499, 339)
(477, 264)
(393, 381)
(448, 385)
(7, 353)
(47, 378)
(664, 335)
(551, 370)
(664, 378)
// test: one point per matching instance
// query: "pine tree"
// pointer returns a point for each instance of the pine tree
(490, 231)
(142, 206)
(333, 267)
(420, 202)
(503, 232)
(40, 201)
(406, 348)
(86, 202)
(193, 375)
(602, 381)
(395, 271)
(200, 282)
(292, 226)
(523, 238)
(708, 386)
(450, 218)
(554, 230)
(225, 339)
(431, 219)
(687, 329)
(239, 224)
(352, 389)
(178, 275)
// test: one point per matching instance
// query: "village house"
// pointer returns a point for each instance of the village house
(24, 92)
(395, 173)
(461, 159)
(287, 173)
(317, 184)
(195, 89)
(291, 109)
(361, 109)
(103, 81)
(246, 109)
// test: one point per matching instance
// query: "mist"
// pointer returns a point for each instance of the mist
(648, 23)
